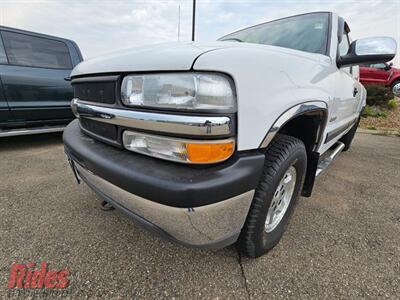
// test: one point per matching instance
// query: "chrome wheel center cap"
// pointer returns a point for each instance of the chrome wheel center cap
(281, 199)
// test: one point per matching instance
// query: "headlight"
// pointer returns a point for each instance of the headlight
(189, 91)
(179, 150)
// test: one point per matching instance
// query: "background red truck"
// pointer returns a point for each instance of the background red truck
(382, 74)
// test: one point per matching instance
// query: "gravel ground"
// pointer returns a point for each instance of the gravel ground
(390, 122)
(343, 242)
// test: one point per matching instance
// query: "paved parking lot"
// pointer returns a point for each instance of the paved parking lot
(343, 242)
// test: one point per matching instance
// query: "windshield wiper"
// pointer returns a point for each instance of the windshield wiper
(233, 39)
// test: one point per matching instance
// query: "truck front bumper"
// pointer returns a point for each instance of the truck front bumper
(202, 207)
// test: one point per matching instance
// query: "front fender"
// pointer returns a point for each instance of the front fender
(269, 81)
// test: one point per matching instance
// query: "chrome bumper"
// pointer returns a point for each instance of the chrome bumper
(157, 122)
(210, 226)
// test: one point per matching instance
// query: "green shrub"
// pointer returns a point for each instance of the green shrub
(378, 95)
(392, 104)
(373, 111)
(368, 111)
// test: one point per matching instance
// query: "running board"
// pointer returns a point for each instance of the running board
(324, 164)
(34, 130)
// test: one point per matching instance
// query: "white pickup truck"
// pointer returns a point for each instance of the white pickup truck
(210, 144)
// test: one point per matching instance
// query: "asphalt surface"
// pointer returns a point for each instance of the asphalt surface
(343, 242)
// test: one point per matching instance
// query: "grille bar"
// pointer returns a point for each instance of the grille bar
(102, 92)
(205, 126)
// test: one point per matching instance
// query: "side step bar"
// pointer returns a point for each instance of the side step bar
(34, 130)
(324, 164)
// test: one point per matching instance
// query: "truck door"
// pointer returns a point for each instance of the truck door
(4, 110)
(366, 74)
(33, 81)
(348, 87)
(347, 97)
(379, 73)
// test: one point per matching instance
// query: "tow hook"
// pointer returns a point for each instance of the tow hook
(106, 206)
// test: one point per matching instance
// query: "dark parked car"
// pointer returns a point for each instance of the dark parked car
(34, 95)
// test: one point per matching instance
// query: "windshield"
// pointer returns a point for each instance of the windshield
(307, 32)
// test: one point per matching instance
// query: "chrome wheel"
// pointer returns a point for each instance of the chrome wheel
(281, 200)
(396, 89)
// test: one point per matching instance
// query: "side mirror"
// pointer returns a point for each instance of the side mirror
(388, 66)
(369, 50)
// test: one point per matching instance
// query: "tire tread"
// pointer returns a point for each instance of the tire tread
(277, 152)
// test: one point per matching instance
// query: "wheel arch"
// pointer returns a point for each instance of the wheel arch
(395, 78)
(305, 121)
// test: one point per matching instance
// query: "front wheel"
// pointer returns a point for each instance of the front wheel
(279, 188)
(396, 88)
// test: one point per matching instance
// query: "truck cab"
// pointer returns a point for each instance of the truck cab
(34, 95)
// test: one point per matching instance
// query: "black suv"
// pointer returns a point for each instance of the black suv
(34, 95)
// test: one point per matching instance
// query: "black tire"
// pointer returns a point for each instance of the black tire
(392, 87)
(348, 137)
(283, 152)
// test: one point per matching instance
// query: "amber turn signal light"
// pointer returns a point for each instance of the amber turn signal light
(209, 153)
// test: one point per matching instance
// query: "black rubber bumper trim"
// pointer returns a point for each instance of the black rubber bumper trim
(168, 183)
(334, 133)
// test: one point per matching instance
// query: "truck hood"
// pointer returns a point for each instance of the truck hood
(177, 56)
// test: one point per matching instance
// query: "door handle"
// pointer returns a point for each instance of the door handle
(355, 92)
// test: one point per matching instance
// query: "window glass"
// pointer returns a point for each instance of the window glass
(344, 45)
(378, 66)
(305, 32)
(3, 57)
(31, 51)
